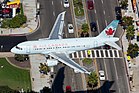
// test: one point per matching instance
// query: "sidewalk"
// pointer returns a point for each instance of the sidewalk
(38, 80)
(133, 65)
(29, 8)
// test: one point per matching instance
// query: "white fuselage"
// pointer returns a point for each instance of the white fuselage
(60, 45)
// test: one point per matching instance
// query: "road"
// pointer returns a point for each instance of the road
(115, 69)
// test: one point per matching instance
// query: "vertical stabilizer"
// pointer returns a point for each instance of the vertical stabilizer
(110, 30)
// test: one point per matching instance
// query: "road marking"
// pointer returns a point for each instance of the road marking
(81, 54)
(104, 12)
(53, 13)
(91, 54)
(77, 53)
(106, 22)
(113, 53)
(104, 53)
(86, 54)
(108, 51)
(52, 3)
(95, 54)
(99, 53)
(102, 1)
(61, 2)
(95, 11)
(72, 55)
(98, 26)
(117, 53)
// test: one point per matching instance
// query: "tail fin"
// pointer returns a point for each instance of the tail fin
(110, 30)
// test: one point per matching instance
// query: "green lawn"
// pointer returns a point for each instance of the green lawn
(13, 77)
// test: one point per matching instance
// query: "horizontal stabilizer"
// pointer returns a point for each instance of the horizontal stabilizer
(113, 44)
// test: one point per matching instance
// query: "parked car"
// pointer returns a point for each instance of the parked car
(118, 14)
(138, 38)
(101, 75)
(66, 3)
(90, 4)
(68, 89)
(70, 28)
(93, 26)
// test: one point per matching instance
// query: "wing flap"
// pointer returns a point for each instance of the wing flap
(64, 58)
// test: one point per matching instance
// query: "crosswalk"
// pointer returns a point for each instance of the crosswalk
(97, 53)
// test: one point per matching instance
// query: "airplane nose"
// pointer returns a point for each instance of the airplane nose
(13, 50)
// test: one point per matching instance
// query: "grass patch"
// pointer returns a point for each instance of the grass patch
(13, 77)
(87, 60)
(78, 8)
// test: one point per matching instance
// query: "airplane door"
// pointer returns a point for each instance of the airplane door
(28, 49)
(95, 44)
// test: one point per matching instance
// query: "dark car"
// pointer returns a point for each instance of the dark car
(90, 4)
(93, 26)
(137, 38)
(118, 14)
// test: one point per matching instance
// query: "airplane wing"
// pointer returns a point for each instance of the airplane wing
(57, 29)
(113, 44)
(64, 58)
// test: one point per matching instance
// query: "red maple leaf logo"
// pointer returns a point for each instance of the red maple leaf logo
(110, 31)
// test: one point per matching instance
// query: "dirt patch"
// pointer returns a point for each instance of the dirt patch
(24, 64)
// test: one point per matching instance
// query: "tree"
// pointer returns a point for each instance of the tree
(85, 27)
(133, 50)
(130, 33)
(93, 79)
(127, 20)
(124, 4)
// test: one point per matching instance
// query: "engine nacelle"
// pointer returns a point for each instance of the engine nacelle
(52, 62)
(76, 71)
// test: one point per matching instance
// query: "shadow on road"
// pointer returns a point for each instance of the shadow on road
(105, 88)
(57, 86)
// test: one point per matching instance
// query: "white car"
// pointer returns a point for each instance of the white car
(101, 75)
(70, 28)
(66, 3)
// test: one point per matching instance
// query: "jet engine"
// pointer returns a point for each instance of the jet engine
(52, 62)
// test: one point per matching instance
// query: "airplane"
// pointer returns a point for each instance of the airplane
(59, 48)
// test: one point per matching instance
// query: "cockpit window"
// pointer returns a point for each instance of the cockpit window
(18, 48)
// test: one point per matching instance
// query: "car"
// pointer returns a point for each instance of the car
(68, 89)
(137, 38)
(93, 26)
(66, 3)
(90, 4)
(70, 28)
(101, 75)
(118, 14)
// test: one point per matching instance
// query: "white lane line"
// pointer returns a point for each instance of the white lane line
(102, 1)
(81, 54)
(106, 22)
(53, 13)
(91, 56)
(72, 55)
(106, 69)
(95, 11)
(98, 26)
(99, 53)
(77, 54)
(61, 2)
(113, 54)
(108, 53)
(52, 3)
(104, 53)
(104, 12)
(117, 53)
(95, 54)
(86, 54)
